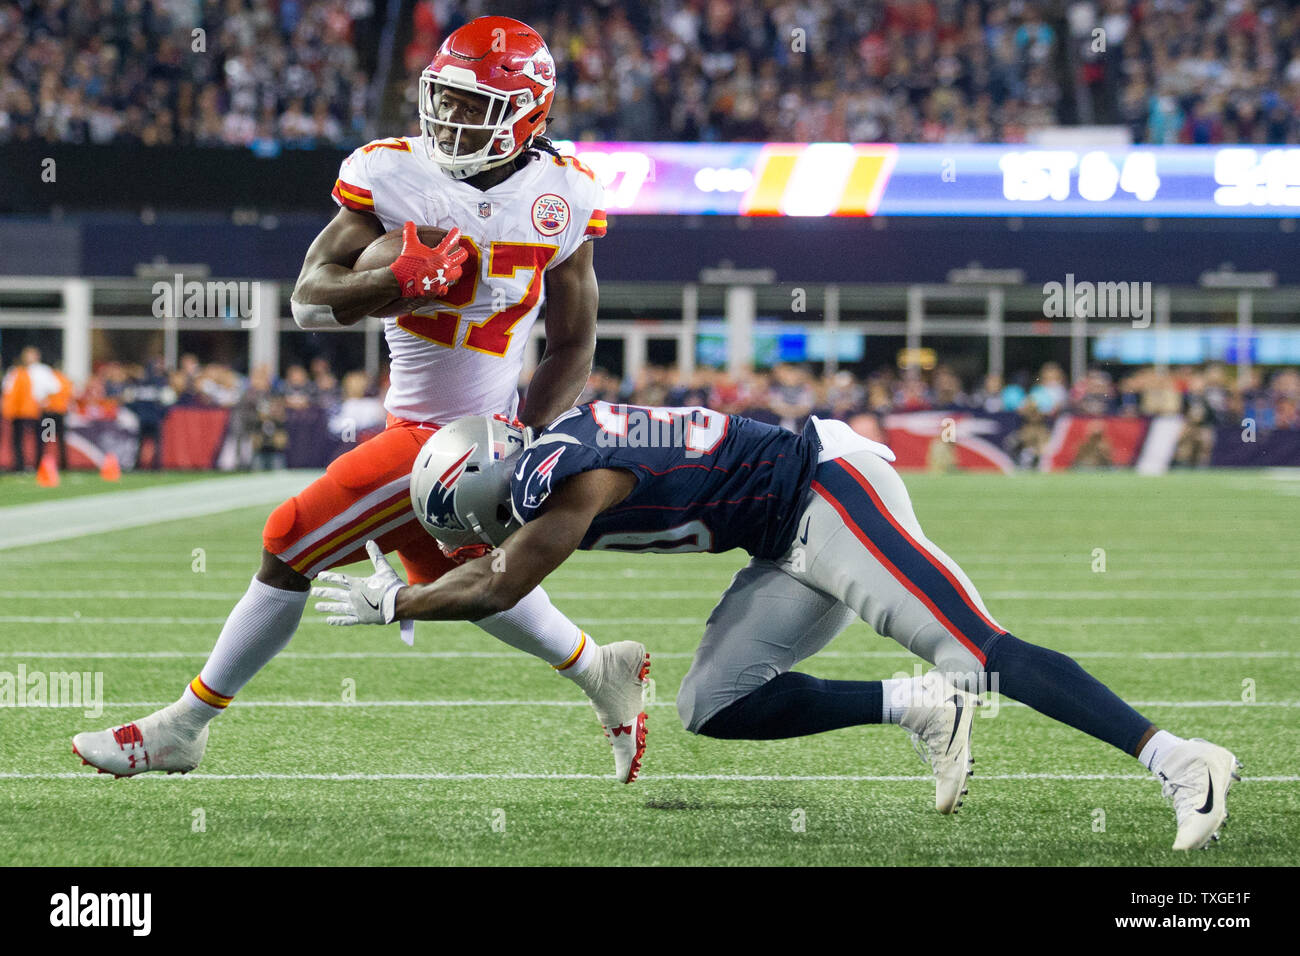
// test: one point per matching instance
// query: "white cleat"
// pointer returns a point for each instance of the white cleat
(942, 722)
(617, 692)
(164, 740)
(1197, 775)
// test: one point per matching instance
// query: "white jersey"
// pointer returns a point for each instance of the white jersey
(463, 355)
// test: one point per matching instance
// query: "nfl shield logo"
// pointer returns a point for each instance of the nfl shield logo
(484, 210)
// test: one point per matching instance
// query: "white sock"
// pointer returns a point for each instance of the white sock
(259, 627)
(898, 694)
(536, 626)
(1157, 749)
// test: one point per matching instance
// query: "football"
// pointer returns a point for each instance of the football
(384, 252)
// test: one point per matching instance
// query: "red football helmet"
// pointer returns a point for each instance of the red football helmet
(505, 61)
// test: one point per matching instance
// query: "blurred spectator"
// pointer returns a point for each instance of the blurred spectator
(55, 412)
(1195, 440)
(298, 390)
(148, 398)
(258, 422)
(913, 395)
(1050, 393)
(1093, 395)
(1094, 451)
(791, 396)
(1027, 442)
(26, 390)
(845, 396)
(358, 413)
(697, 391)
(988, 397)
(947, 389)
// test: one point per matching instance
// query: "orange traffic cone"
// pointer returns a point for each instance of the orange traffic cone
(110, 470)
(47, 475)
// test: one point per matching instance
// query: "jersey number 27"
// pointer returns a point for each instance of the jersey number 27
(492, 335)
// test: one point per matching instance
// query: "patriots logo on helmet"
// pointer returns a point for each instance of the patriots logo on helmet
(440, 509)
(538, 486)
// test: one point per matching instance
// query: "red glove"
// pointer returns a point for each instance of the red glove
(423, 272)
(466, 552)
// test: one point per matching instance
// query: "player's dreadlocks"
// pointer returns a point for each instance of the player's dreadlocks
(542, 144)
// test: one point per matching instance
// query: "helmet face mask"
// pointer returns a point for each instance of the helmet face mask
(460, 484)
(504, 66)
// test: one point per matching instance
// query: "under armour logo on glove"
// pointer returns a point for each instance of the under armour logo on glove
(422, 271)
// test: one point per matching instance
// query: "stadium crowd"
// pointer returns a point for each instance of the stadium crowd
(1206, 396)
(274, 73)
(959, 71)
(247, 73)
(262, 407)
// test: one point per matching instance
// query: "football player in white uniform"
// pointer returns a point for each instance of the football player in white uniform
(518, 216)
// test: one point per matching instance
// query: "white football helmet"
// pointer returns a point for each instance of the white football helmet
(460, 485)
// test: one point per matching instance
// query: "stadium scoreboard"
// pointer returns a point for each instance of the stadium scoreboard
(887, 179)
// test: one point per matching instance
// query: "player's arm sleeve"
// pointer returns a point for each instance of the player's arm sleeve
(588, 198)
(352, 189)
(595, 224)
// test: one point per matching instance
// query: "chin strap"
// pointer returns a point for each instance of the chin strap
(469, 172)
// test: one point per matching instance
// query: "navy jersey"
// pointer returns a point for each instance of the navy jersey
(706, 481)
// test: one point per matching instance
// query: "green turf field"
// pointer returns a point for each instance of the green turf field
(461, 751)
(23, 490)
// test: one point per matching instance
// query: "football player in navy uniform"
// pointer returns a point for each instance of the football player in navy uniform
(832, 534)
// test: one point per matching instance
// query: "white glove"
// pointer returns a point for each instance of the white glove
(371, 600)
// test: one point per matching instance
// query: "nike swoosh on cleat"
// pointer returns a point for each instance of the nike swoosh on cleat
(1209, 799)
(956, 722)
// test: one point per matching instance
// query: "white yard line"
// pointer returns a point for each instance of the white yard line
(644, 778)
(1192, 594)
(656, 655)
(1097, 620)
(339, 704)
(49, 521)
(312, 618)
(232, 596)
